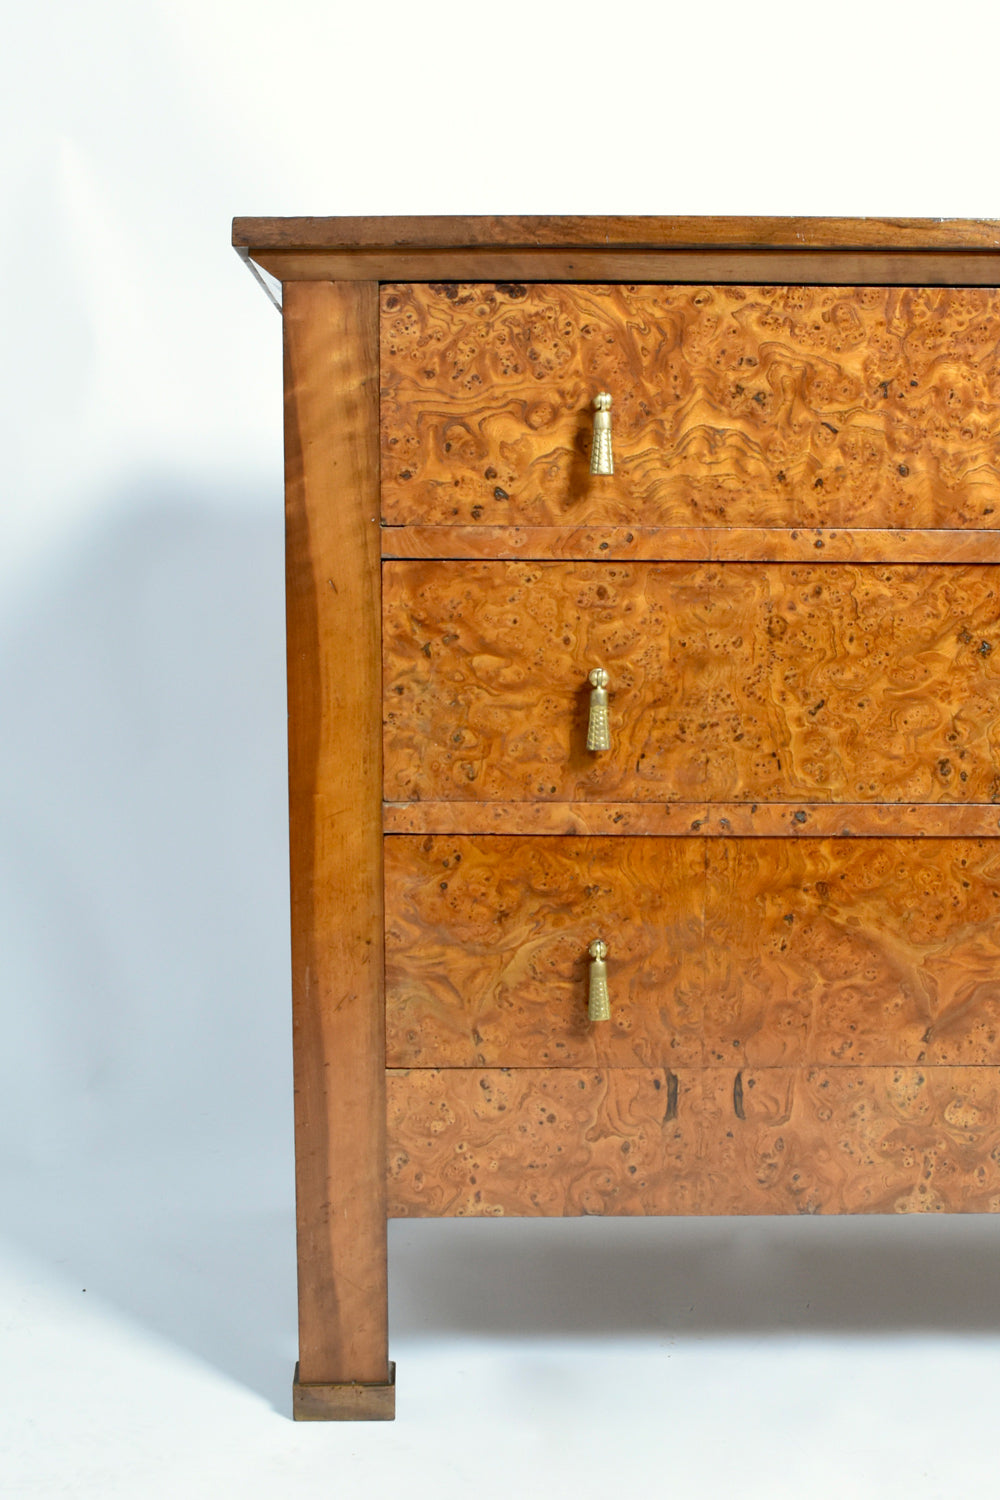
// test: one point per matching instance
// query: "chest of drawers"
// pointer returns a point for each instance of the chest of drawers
(789, 850)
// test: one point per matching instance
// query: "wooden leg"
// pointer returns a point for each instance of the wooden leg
(335, 795)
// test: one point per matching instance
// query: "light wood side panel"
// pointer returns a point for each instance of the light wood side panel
(486, 950)
(682, 543)
(536, 1141)
(834, 951)
(733, 405)
(331, 439)
(729, 682)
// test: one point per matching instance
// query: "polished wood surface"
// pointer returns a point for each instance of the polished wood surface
(752, 951)
(332, 553)
(624, 231)
(564, 1141)
(815, 544)
(723, 820)
(852, 952)
(729, 682)
(715, 266)
(733, 406)
(946, 252)
(486, 950)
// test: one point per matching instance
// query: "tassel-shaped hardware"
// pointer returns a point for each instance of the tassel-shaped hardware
(601, 458)
(598, 725)
(599, 1007)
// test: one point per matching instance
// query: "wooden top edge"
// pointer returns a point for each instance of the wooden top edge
(619, 232)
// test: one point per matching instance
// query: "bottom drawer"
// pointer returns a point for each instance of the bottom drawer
(558, 1141)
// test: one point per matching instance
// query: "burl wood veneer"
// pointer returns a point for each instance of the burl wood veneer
(696, 1141)
(730, 682)
(734, 405)
(751, 952)
(790, 849)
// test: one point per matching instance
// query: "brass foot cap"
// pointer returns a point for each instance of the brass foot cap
(352, 1401)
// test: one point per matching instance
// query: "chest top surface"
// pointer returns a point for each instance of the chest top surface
(626, 248)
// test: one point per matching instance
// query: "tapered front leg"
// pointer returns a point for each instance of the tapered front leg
(335, 796)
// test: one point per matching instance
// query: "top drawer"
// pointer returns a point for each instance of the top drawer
(733, 406)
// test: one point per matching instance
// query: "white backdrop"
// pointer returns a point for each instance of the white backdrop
(144, 1064)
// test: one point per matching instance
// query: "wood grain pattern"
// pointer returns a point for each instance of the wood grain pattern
(486, 950)
(729, 682)
(724, 820)
(538, 1141)
(636, 231)
(334, 790)
(842, 952)
(755, 952)
(835, 267)
(688, 543)
(733, 406)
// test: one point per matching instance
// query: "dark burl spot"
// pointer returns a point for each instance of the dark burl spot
(904, 470)
(499, 494)
(985, 648)
(405, 474)
(512, 289)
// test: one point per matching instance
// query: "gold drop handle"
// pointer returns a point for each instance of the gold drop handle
(599, 1006)
(598, 725)
(601, 457)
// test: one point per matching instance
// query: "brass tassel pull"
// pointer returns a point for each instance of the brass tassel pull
(601, 458)
(599, 1006)
(598, 725)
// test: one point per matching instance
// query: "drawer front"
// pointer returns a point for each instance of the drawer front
(486, 950)
(708, 1141)
(728, 682)
(750, 952)
(732, 406)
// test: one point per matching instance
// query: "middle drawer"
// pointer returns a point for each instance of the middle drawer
(756, 682)
(759, 952)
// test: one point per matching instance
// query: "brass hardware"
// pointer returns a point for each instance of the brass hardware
(598, 725)
(601, 458)
(599, 1006)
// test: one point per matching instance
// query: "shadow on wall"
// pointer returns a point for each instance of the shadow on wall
(145, 1088)
(145, 1083)
(689, 1278)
